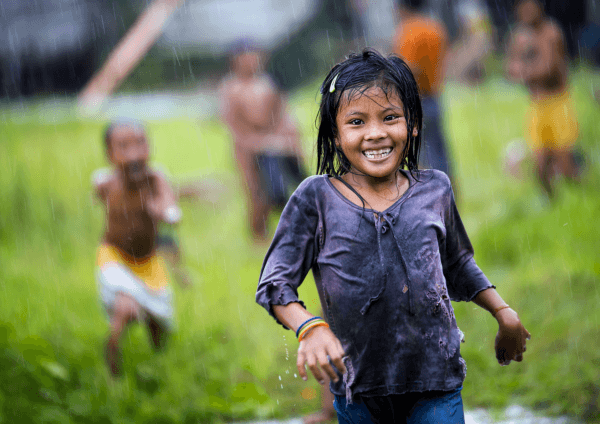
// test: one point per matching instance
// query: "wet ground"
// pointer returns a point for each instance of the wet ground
(512, 415)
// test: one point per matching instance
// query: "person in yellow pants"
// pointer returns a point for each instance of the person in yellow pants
(536, 57)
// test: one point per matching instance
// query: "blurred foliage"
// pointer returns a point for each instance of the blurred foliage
(227, 359)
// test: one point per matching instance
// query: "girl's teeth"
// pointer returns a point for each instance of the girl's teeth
(377, 154)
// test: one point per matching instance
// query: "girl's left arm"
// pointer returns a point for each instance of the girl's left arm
(465, 281)
(512, 336)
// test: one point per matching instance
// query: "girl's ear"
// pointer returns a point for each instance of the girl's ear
(415, 132)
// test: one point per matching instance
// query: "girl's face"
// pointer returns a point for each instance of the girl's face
(372, 132)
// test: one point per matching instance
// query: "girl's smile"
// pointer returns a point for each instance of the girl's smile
(378, 154)
(372, 132)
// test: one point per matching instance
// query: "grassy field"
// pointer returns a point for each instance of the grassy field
(228, 360)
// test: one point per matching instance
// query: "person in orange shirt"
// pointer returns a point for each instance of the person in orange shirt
(422, 42)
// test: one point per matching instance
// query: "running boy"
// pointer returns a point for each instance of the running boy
(132, 278)
(536, 57)
(266, 140)
(388, 252)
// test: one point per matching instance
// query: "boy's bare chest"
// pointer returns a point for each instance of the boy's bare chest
(129, 206)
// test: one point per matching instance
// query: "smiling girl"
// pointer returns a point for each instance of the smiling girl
(388, 252)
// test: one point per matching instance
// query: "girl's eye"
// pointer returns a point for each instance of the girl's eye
(391, 117)
(356, 122)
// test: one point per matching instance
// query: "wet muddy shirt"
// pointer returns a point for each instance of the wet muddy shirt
(385, 280)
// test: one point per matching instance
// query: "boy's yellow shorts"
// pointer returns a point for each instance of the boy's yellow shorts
(552, 122)
(145, 281)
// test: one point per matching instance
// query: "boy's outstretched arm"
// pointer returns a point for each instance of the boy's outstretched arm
(512, 336)
(315, 348)
(163, 206)
(100, 180)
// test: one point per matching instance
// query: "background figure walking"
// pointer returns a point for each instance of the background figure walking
(422, 42)
(536, 57)
(265, 138)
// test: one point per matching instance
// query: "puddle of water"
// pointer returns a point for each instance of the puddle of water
(514, 414)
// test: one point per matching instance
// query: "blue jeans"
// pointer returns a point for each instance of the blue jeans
(411, 408)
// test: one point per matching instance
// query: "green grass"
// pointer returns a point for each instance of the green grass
(228, 360)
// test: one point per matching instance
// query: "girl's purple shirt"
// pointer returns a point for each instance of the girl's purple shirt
(385, 280)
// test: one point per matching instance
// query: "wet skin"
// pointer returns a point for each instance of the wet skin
(373, 135)
(538, 51)
(254, 111)
(537, 58)
(136, 197)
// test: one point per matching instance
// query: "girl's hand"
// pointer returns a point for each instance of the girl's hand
(315, 348)
(511, 338)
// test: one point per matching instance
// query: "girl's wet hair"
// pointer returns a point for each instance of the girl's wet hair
(352, 77)
(118, 123)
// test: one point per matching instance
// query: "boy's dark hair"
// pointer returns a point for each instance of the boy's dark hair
(354, 76)
(243, 45)
(540, 3)
(133, 123)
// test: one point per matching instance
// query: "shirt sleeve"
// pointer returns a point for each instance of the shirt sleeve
(291, 253)
(464, 278)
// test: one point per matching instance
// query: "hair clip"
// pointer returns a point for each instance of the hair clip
(332, 86)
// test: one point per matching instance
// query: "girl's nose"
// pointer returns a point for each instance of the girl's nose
(375, 131)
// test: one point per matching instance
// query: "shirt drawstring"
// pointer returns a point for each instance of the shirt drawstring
(390, 219)
(382, 223)
(380, 229)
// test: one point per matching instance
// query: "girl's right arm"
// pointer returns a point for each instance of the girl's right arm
(317, 346)
(288, 261)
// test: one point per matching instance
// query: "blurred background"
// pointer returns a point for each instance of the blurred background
(67, 67)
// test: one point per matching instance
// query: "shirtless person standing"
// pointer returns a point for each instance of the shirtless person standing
(266, 140)
(536, 57)
(132, 279)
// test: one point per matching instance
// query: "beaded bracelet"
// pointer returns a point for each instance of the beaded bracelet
(498, 309)
(310, 326)
(304, 323)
